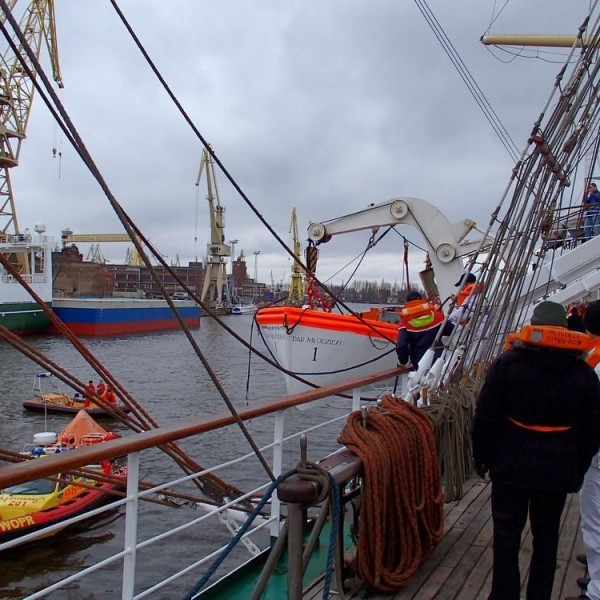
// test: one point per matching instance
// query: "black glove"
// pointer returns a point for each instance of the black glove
(480, 468)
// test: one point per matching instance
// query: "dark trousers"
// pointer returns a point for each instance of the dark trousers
(510, 506)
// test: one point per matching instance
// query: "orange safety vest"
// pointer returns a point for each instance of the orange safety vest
(550, 337)
(418, 314)
(417, 308)
(109, 396)
(471, 288)
(593, 356)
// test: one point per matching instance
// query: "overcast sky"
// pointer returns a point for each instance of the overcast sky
(323, 106)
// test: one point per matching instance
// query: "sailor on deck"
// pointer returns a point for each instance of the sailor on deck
(589, 496)
(591, 227)
(536, 428)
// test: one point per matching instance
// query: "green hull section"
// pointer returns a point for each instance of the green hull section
(23, 318)
(240, 584)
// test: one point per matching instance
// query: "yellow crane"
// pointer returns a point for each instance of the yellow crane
(215, 291)
(296, 295)
(16, 96)
(133, 257)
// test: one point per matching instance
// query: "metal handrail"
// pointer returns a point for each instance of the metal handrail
(28, 470)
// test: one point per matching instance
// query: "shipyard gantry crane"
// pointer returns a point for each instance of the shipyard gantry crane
(215, 291)
(133, 258)
(296, 295)
(16, 95)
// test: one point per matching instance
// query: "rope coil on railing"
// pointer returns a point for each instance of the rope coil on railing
(402, 513)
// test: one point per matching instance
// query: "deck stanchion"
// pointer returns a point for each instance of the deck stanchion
(131, 510)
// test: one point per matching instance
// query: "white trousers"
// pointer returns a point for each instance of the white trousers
(590, 524)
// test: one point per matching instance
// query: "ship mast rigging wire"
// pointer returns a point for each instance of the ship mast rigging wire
(69, 129)
(468, 79)
(72, 135)
(229, 177)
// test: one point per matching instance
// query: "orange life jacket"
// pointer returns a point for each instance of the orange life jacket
(471, 288)
(593, 356)
(416, 308)
(109, 396)
(550, 337)
(418, 314)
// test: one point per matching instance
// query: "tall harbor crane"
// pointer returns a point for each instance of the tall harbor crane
(16, 96)
(215, 291)
(296, 295)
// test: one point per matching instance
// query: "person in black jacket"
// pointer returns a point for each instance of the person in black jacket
(574, 320)
(536, 428)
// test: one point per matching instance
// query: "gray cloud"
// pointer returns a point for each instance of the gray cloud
(323, 106)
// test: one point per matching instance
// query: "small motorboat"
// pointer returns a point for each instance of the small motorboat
(36, 504)
(58, 401)
(244, 309)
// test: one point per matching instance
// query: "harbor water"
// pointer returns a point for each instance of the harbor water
(162, 372)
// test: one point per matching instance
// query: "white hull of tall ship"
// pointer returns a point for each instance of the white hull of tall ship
(32, 255)
(327, 348)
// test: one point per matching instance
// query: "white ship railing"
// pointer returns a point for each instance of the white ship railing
(23, 240)
(284, 450)
(28, 278)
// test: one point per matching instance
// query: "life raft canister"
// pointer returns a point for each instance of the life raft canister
(550, 336)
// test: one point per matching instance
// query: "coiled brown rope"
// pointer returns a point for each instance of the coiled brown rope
(402, 513)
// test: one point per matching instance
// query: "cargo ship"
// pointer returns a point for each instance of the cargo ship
(118, 316)
(87, 300)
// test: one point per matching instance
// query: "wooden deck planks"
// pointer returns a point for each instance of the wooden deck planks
(460, 567)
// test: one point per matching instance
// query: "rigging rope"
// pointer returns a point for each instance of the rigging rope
(402, 512)
(230, 178)
(238, 536)
(468, 79)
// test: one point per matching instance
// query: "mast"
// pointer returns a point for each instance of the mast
(215, 291)
(539, 40)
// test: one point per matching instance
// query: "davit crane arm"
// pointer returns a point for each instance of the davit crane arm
(445, 241)
(16, 95)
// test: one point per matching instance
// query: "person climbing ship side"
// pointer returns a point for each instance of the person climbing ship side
(536, 428)
(419, 324)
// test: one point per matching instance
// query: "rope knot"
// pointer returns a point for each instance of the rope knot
(311, 471)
